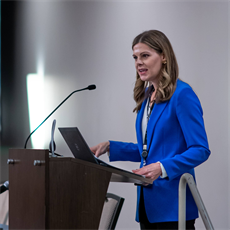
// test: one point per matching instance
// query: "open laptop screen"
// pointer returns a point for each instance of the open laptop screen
(77, 144)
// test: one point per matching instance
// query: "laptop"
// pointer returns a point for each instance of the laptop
(81, 150)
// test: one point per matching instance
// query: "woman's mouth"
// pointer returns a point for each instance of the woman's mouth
(142, 71)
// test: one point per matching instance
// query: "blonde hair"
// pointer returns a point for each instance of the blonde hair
(170, 71)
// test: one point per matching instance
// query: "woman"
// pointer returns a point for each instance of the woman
(170, 134)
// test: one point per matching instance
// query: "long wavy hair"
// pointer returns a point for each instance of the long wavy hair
(169, 73)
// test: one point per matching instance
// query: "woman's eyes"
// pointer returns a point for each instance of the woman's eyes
(142, 56)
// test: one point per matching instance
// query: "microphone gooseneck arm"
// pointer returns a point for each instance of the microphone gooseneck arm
(90, 87)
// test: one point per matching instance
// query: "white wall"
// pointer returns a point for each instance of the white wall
(82, 43)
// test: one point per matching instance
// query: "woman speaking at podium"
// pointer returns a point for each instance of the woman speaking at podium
(170, 134)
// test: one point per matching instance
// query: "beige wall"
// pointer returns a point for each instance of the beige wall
(82, 43)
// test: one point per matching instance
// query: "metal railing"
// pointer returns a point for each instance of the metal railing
(188, 179)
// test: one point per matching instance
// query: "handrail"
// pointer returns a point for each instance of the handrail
(188, 179)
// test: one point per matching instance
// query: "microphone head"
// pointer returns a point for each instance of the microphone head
(6, 184)
(91, 87)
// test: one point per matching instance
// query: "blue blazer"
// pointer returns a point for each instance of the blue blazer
(177, 138)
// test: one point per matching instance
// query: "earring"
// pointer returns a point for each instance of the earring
(164, 62)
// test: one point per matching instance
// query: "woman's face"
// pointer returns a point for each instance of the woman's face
(148, 63)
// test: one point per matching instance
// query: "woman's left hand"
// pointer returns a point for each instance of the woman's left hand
(152, 171)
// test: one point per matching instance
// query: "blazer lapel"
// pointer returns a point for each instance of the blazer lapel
(156, 113)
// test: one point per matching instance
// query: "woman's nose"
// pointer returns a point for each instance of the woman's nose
(139, 61)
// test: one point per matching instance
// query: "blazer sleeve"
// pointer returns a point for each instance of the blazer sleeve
(122, 151)
(190, 116)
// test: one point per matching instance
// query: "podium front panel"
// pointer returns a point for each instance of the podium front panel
(27, 191)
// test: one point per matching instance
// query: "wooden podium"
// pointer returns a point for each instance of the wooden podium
(58, 193)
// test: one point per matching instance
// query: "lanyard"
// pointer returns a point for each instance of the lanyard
(145, 151)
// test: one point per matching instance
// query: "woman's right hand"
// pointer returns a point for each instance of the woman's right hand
(100, 149)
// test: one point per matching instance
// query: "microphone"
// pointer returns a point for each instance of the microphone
(52, 145)
(4, 187)
(90, 87)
